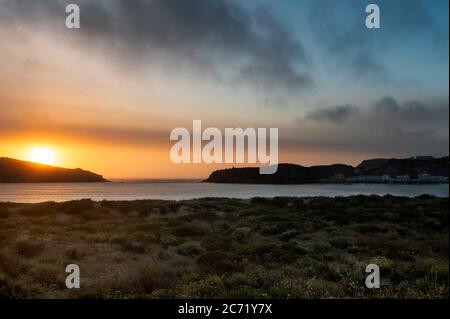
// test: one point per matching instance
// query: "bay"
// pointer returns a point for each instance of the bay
(178, 190)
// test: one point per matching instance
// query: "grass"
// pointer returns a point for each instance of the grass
(226, 248)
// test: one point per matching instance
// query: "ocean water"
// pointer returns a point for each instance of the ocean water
(32, 193)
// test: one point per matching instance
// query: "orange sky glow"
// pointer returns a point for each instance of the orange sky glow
(107, 101)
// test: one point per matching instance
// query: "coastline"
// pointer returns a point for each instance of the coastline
(42, 192)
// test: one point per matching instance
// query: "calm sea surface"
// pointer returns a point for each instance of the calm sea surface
(32, 193)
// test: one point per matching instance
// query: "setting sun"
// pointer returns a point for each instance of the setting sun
(43, 155)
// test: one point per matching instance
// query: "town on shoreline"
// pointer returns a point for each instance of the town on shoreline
(413, 170)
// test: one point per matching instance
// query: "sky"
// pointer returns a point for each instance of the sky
(106, 96)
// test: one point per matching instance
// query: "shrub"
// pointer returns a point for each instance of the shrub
(216, 242)
(289, 234)
(235, 280)
(270, 252)
(300, 250)
(242, 233)
(128, 246)
(93, 214)
(173, 206)
(387, 266)
(3, 213)
(10, 289)
(432, 224)
(27, 248)
(279, 201)
(153, 277)
(38, 209)
(429, 266)
(366, 228)
(190, 230)
(288, 253)
(190, 248)
(47, 275)
(393, 234)
(11, 265)
(310, 266)
(340, 242)
(77, 206)
(260, 200)
(270, 230)
(321, 247)
(218, 262)
(210, 287)
(74, 254)
(222, 226)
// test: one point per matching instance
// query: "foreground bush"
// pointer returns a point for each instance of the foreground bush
(227, 248)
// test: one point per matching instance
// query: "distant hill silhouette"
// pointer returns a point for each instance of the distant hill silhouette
(286, 174)
(408, 166)
(17, 171)
(297, 174)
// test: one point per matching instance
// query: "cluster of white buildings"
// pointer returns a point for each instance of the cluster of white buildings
(431, 178)
(421, 178)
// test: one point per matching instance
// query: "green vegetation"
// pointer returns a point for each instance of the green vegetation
(226, 248)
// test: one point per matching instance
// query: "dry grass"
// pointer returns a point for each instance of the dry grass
(226, 248)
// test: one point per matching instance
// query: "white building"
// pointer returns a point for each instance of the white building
(402, 178)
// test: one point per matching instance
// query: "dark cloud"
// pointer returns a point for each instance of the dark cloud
(385, 110)
(276, 102)
(399, 132)
(347, 44)
(335, 114)
(385, 127)
(379, 143)
(387, 105)
(412, 111)
(353, 47)
(222, 38)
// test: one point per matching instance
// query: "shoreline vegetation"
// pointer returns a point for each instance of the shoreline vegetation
(311, 247)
